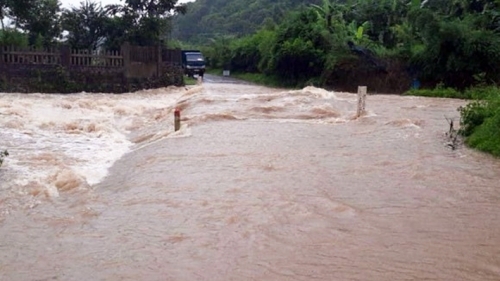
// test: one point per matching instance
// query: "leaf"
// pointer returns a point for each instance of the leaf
(359, 33)
(415, 4)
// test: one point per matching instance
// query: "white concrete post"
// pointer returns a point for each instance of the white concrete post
(361, 100)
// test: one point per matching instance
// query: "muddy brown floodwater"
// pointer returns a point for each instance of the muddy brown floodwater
(259, 184)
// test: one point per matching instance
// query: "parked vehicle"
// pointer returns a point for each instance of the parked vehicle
(193, 63)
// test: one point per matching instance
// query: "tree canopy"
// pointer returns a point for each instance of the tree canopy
(44, 22)
(454, 42)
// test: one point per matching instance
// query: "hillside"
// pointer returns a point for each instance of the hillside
(211, 18)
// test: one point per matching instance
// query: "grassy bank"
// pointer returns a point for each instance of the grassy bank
(260, 79)
(188, 81)
(439, 92)
(214, 71)
(442, 92)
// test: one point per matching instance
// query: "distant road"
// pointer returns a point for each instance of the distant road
(210, 78)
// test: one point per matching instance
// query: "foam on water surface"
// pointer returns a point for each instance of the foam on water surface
(64, 142)
(258, 184)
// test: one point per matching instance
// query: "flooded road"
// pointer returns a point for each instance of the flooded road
(259, 184)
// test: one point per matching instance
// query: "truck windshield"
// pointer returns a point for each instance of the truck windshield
(194, 57)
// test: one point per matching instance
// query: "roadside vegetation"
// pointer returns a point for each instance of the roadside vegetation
(439, 92)
(455, 44)
(480, 120)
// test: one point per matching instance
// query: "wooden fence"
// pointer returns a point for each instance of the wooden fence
(134, 61)
(93, 58)
(30, 55)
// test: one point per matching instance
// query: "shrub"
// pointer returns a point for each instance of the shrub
(480, 120)
(437, 92)
(486, 137)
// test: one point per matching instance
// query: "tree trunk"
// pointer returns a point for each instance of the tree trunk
(2, 18)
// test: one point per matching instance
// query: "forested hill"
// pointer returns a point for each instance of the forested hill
(212, 18)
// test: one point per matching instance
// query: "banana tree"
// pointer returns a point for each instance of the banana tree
(358, 32)
(219, 51)
(333, 11)
(325, 12)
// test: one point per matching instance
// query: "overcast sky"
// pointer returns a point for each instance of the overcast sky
(76, 3)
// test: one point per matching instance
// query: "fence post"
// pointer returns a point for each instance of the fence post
(178, 56)
(125, 50)
(361, 100)
(177, 119)
(65, 52)
(158, 60)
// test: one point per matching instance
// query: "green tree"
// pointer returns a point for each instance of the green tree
(141, 22)
(299, 50)
(11, 9)
(458, 43)
(39, 18)
(326, 12)
(85, 25)
(155, 8)
(4, 11)
(118, 29)
(12, 37)
(220, 52)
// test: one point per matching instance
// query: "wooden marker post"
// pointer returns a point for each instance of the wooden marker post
(361, 101)
(177, 119)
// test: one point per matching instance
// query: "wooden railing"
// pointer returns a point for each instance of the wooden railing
(30, 55)
(53, 56)
(172, 55)
(133, 61)
(93, 58)
(141, 54)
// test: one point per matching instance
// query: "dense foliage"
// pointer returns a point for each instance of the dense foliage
(89, 26)
(456, 43)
